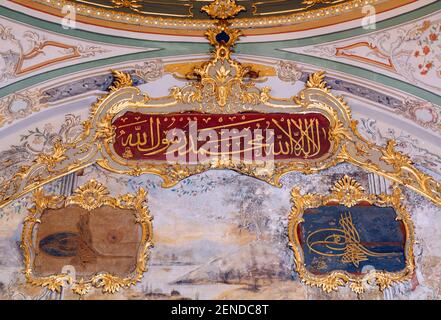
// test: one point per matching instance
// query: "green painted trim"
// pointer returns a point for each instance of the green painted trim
(119, 40)
(161, 49)
(329, 37)
(266, 49)
(355, 71)
(275, 50)
(50, 75)
(98, 37)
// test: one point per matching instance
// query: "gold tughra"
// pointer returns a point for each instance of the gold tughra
(345, 241)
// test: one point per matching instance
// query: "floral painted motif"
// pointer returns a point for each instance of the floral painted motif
(429, 45)
(410, 52)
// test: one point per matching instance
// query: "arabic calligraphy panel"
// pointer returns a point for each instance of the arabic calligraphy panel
(140, 136)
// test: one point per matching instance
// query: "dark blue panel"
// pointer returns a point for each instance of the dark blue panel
(61, 244)
(341, 238)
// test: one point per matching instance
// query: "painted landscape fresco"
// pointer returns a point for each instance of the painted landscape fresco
(217, 235)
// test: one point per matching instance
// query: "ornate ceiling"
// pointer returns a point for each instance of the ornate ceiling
(192, 8)
(172, 17)
(50, 76)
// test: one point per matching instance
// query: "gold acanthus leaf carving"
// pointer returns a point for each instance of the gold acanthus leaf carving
(233, 35)
(110, 283)
(339, 131)
(131, 4)
(347, 191)
(394, 158)
(317, 80)
(220, 85)
(58, 155)
(52, 283)
(91, 196)
(81, 287)
(120, 80)
(222, 9)
(349, 146)
(409, 173)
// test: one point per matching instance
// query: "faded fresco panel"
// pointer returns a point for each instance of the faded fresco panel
(103, 240)
(223, 235)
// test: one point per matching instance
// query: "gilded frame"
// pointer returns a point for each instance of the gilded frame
(174, 173)
(348, 192)
(89, 196)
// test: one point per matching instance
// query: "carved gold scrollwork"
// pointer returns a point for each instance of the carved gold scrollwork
(120, 80)
(223, 9)
(349, 193)
(95, 144)
(89, 196)
(221, 85)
